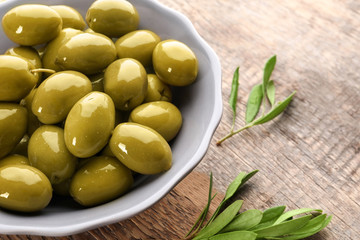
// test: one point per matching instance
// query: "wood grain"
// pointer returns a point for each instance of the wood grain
(308, 157)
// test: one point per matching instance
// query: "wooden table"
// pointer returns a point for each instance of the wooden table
(308, 157)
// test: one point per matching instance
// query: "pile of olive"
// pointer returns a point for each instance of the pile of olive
(82, 111)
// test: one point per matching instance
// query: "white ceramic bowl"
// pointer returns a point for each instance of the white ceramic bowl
(201, 107)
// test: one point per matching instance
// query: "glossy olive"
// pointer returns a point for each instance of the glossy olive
(29, 53)
(163, 117)
(157, 90)
(31, 24)
(89, 124)
(14, 159)
(175, 63)
(24, 188)
(126, 82)
(141, 148)
(33, 121)
(100, 180)
(52, 48)
(57, 95)
(113, 18)
(139, 45)
(71, 18)
(16, 79)
(97, 82)
(13, 124)
(88, 53)
(48, 153)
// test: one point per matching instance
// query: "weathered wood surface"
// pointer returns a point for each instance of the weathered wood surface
(308, 157)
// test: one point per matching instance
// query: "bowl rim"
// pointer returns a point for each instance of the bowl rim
(180, 175)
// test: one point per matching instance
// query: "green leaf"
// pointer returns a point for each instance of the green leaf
(247, 177)
(271, 92)
(204, 212)
(239, 181)
(312, 225)
(268, 69)
(244, 221)
(253, 103)
(238, 235)
(321, 226)
(270, 215)
(309, 232)
(292, 213)
(279, 108)
(283, 228)
(233, 187)
(234, 91)
(220, 221)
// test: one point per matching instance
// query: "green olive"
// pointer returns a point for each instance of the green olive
(175, 63)
(71, 18)
(33, 121)
(16, 79)
(57, 95)
(89, 124)
(52, 48)
(141, 148)
(13, 124)
(88, 53)
(126, 82)
(163, 117)
(48, 153)
(14, 159)
(113, 18)
(139, 45)
(97, 82)
(29, 53)
(157, 90)
(100, 180)
(31, 24)
(24, 188)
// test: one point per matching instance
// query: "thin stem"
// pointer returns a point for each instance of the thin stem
(233, 133)
(233, 123)
(45, 70)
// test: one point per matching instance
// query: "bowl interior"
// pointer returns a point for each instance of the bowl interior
(200, 105)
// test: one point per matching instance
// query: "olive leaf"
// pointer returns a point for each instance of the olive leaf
(273, 223)
(254, 103)
(292, 213)
(220, 221)
(233, 187)
(199, 221)
(283, 228)
(309, 232)
(271, 92)
(279, 108)
(234, 94)
(268, 69)
(313, 225)
(244, 221)
(257, 98)
(270, 215)
(238, 235)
